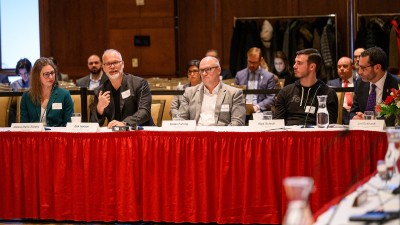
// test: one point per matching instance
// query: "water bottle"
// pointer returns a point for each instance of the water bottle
(322, 112)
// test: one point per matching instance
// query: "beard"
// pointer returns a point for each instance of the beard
(115, 76)
(95, 70)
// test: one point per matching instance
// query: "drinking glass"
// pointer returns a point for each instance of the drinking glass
(258, 116)
(369, 115)
(267, 115)
(382, 172)
(76, 118)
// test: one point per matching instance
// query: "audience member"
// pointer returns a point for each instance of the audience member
(44, 101)
(226, 74)
(255, 77)
(193, 74)
(357, 54)
(96, 77)
(374, 84)
(297, 103)
(346, 79)
(22, 69)
(213, 103)
(124, 99)
(4, 79)
(282, 68)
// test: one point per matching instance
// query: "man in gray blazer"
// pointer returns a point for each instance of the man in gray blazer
(96, 76)
(213, 103)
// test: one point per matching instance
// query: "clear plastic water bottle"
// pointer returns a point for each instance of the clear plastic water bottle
(322, 112)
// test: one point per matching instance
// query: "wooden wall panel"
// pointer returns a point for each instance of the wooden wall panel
(158, 59)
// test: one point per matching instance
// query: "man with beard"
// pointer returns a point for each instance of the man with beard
(95, 78)
(124, 99)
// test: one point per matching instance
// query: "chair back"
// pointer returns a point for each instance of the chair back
(340, 96)
(157, 111)
(4, 110)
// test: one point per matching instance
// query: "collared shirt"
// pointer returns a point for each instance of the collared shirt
(350, 84)
(94, 83)
(379, 88)
(207, 113)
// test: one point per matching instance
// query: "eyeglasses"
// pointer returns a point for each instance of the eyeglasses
(363, 68)
(192, 72)
(48, 74)
(207, 70)
(109, 64)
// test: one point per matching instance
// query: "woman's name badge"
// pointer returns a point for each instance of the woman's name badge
(126, 94)
(56, 106)
(310, 109)
(225, 108)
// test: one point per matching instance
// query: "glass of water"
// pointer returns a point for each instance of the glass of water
(267, 115)
(76, 118)
(369, 115)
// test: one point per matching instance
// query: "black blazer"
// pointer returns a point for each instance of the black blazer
(361, 93)
(85, 81)
(135, 108)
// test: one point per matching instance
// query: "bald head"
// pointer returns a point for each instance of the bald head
(209, 71)
(344, 68)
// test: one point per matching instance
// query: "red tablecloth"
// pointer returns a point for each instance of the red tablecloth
(222, 177)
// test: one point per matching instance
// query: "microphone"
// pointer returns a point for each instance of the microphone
(309, 109)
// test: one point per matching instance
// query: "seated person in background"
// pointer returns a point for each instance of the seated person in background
(282, 68)
(96, 76)
(44, 101)
(297, 103)
(22, 69)
(374, 84)
(123, 99)
(255, 77)
(226, 74)
(213, 103)
(4, 79)
(193, 74)
(346, 79)
(357, 55)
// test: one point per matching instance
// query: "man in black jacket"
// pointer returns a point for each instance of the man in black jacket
(297, 103)
(373, 78)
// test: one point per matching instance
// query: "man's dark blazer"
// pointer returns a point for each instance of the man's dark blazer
(4, 79)
(361, 92)
(338, 83)
(135, 108)
(85, 81)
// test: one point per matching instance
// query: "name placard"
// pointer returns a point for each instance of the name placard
(374, 125)
(262, 125)
(27, 127)
(179, 125)
(82, 127)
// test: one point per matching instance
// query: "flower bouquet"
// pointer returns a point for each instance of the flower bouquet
(391, 106)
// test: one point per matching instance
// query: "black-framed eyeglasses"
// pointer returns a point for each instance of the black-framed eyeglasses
(109, 64)
(48, 74)
(192, 72)
(207, 70)
(363, 68)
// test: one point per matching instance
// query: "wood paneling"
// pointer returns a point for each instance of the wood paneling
(72, 30)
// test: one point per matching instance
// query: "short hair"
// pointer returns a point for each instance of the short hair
(193, 62)
(376, 56)
(313, 56)
(254, 51)
(111, 51)
(23, 64)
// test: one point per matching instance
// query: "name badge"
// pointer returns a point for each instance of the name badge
(374, 125)
(310, 109)
(179, 125)
(225, 108)
(82, 127)
(126, 94)
(56, 106)
(264, 125)
(27, 127)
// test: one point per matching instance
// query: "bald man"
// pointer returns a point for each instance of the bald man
(213, 103)
(346, 79)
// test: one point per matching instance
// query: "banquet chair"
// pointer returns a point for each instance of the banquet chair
(157, 110)
(340, 96)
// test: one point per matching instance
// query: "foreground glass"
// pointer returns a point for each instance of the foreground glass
(392, 157)
(298, 190)
(76, 118)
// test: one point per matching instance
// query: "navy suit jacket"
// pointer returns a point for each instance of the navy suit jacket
(85, 81)
(361, 93)
(338, 83)
(265, 81)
